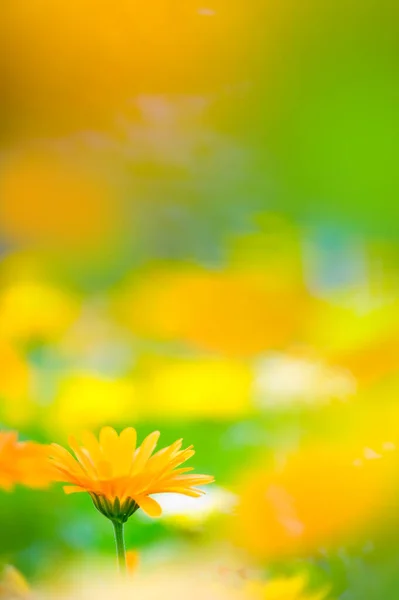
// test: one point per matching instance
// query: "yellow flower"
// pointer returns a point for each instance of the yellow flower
(35, 310)
(235, 312)
(13, 585)
(30, 180)
(222, 390)
(315, 498)
(120, 477)
(284, 588)
(14, 384)
(22, 462)
(87, 400)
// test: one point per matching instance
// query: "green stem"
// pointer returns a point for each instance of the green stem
(120, 546)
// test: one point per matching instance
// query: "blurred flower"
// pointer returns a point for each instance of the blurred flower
(316, 497)
(374, 359)
(87, 400)
(287, 588)
(35, 311)
(30, 182)
(236, 312)
(357, 332)
(13, 585)
(22, 462)
(85, 75)
(222, 389)
(120, 477)
(14, 384)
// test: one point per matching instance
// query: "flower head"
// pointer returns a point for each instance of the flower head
(22, 462)
(121, 477)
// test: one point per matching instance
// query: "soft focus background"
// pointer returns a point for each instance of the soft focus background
(199, 233)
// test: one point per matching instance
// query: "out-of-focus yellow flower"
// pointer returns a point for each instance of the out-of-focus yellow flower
(373, 360)
(33, 310)
(87, 400)
(236, 312)
(23, 462)
(14, 384)
(121, 477)
(360, 336)
(78, 64)
(13, 585)
(222, 388)
(45, 199)
(285, 588)
(314, 499)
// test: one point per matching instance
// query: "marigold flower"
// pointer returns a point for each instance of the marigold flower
(22, 462)
(120, 477)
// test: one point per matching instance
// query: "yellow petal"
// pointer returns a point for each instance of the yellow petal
(61, 474)
(62, 456)
(72, 489)
(144, 452)
(126, 448)
(159, 462)
(109, 441)
(161, 489)
(105, 469)
(194, 479)
(149, 506)
(82, 457)
(92, 445)
(174, 461)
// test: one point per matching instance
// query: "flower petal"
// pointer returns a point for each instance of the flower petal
(72, 489)
(82, 457)
(161, 459)
(91, 443)
(144, 452)
(194, 479)
(109, 442)
(62, 456)
(126, 448)
(149, 506)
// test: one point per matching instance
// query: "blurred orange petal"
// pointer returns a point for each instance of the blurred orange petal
(316, 498)
(238, 313)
